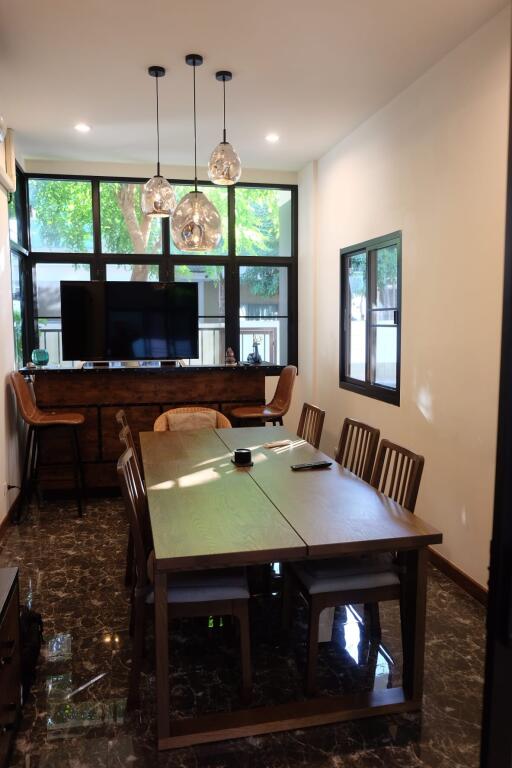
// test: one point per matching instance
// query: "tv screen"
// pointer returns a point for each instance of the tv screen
(129, 321)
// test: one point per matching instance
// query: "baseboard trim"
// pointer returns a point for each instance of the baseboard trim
(11, 514)
(464, 581)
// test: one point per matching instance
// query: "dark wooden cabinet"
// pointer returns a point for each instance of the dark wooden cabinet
(10, 670)
(144, 393)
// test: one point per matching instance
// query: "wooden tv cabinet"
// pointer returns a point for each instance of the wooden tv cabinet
(143, 393)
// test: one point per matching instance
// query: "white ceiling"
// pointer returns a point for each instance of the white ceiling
(310, 71)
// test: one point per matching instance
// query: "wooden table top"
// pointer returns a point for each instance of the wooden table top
(205, 512)
(332, 510)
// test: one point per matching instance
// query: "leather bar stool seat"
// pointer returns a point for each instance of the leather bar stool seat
(54, 419)
(37, 419)
(262, 412)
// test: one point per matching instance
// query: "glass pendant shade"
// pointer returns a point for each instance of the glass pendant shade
(158, 197)
(196, 224)
(224, 167)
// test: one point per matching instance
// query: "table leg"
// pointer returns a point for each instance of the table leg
(413, 609)
(162, 655)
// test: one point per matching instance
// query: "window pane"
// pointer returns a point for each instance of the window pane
(263, 291)
(271, 335)
(50, 338)
(60, 216)
(48, 277)
(386, 260)
(385, 355)
(124, 228)
(140, 273)
(356, 310)
(211, 289)
(263, 221)
(16, 309)
(212, 342)
(219, 198)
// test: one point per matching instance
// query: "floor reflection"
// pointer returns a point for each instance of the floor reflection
(366, 651)
(59, 647)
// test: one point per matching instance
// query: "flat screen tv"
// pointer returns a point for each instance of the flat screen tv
(129, 321)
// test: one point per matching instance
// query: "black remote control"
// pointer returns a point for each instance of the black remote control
(312, 465)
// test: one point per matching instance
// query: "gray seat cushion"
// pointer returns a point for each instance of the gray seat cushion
(352, 565)
(206, 586)
(341, 581)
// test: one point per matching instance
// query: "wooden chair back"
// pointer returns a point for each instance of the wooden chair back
(136, 508)
(397, 473)
(283, 395)
(25, 398)
(126, 435)
(161, 424)
(311, 423)
(121, 418)
(126, 440)
(357, 448)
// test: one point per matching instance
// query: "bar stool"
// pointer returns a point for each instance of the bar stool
(37, 419)
(278, 406)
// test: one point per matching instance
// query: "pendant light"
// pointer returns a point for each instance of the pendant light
(224, 167)
(158, 198)
(196, 224)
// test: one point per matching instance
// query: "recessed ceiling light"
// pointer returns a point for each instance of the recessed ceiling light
(272, 138)
(82, 128)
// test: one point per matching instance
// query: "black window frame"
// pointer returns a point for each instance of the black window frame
(166, 260)
(19, 248)
(369, 388)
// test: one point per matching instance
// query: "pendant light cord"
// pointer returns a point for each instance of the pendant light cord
(224, 89)
(195, 133)
(157, 131)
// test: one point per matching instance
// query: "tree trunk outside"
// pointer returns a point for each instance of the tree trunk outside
(138, 229)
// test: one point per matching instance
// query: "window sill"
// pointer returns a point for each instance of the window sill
(386, 395)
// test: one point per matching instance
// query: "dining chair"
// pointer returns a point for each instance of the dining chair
(278, 406)
(122, 420)
(367, 579)
(191, 417)
(357, 448)
(311, 423)
(203, 593)
(127, 441)
(397, 473)
(37, 420)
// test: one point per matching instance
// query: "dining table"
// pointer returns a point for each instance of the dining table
(207, 513)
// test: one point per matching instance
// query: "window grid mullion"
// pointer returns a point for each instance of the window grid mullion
(98, 270)
(231, 284)
(370, 362)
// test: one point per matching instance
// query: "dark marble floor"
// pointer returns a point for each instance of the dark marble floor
(71, 571)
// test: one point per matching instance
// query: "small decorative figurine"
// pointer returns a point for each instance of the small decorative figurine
(254, 357)
(230, 358)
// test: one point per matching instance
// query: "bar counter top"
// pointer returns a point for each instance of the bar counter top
(269, 370)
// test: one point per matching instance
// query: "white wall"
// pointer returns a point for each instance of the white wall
(432, 163)
(305, 383)
(9, 471)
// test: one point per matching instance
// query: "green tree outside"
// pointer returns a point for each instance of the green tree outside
(61, 221)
